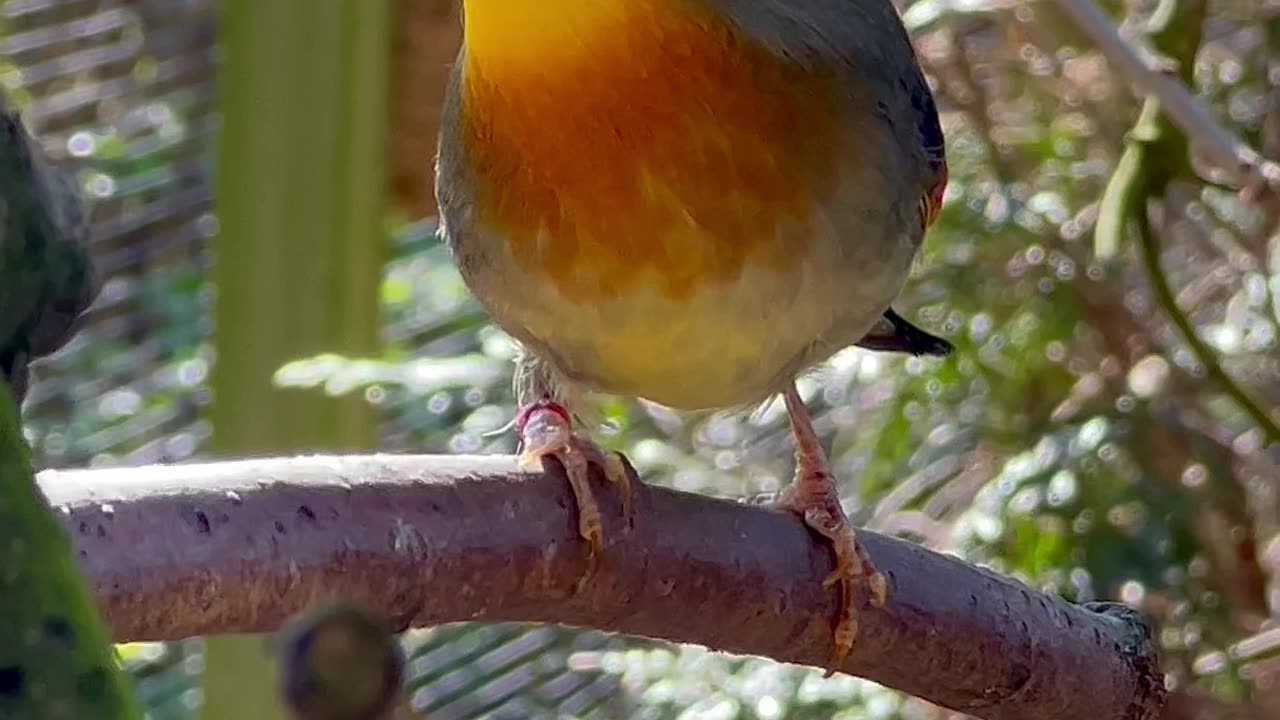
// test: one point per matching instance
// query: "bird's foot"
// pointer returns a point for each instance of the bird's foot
(545, 429)
(814, 497)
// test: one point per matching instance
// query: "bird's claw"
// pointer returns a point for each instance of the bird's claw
(545, 430)
(815, 499)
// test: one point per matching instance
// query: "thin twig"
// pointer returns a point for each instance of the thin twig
(1205, 355)
(1240, 163)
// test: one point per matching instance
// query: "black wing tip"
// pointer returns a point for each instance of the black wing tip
(933, 346)
(907, 338)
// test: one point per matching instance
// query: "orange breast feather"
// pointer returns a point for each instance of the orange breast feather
(670, 151)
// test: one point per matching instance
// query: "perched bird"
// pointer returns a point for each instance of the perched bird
(46, 274)
(691, 202)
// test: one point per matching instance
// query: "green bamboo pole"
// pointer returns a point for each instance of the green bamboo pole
(303, 88)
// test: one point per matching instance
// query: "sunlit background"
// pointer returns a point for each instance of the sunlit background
(1075, 440)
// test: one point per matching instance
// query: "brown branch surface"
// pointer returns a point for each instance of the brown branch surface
(175, 551)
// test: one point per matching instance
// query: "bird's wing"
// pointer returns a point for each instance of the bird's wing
(934, 145)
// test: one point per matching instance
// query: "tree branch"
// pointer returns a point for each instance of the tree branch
(175, 551)
(1152, 159)
(1240, 163)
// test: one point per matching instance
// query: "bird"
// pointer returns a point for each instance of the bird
(692, 202)
(47, 278)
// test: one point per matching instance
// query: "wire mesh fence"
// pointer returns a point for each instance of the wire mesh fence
(123, 92)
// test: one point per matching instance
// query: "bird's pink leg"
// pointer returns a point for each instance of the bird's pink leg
(814, 497)
(545, 428)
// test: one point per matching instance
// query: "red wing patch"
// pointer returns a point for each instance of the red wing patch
(934, 144)
(931, 203)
